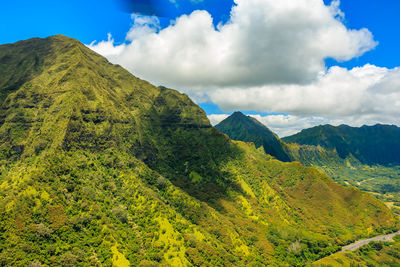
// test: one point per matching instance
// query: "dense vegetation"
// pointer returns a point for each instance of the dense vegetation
(382, 181)
(371, 145)
(247, 129)
(367, 157)
(98, 167)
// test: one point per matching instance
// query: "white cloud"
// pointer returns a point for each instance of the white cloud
(363, 95)
(108, 48)
(285, 125)
(142, 26)
(338, 92)
(217, 118)
(264, 42)
(268, 57)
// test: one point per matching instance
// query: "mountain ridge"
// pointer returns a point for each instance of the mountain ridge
(371, 145)
(347, 169)
(108, 167)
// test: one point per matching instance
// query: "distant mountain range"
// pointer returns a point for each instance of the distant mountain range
(379, 144)
(101, 168)
(367, 157)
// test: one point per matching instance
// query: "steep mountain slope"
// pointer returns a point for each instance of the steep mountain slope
(98, 167)
(247, 129)
(379, 144)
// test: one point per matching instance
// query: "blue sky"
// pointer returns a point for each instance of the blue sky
(84, 20)
(382, 19)
(91, 20)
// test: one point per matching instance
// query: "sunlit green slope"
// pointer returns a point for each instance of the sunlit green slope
(99, 168)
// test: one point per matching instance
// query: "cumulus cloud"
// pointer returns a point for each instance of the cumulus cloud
(362, 95)
(142, 26)
(268, 57)
(285, 125)
(217, 118)
(108, 48)
(338, 92)
(264, 42)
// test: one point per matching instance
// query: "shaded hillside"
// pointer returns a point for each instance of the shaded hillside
(247, 129)
(379, 144)
(98, 167)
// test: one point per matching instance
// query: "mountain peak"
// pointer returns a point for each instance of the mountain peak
(87, 96)
(62, 37)
(245, 128)
(238, 114)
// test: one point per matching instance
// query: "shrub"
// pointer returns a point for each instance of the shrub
(68, 259)
(120, 213)
(161, 182)
(35, 264)
(42, 230)
(57, 216)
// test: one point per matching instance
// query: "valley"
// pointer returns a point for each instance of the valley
(381, 181)
(353, 157)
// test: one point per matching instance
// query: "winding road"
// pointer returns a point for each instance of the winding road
(360, 243)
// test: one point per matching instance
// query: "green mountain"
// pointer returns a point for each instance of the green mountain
(100, 168)
(379, 144)
(366, 157)
(382, 181)
(247, 129)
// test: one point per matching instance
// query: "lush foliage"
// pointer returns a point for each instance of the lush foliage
(381, 181)
(101, 168)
